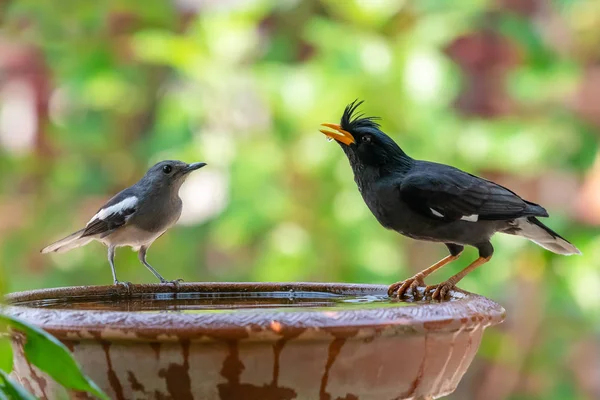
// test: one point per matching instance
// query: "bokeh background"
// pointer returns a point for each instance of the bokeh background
(92, 93)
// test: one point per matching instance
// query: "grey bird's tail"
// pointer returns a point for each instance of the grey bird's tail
(534, 230)
(70, 242)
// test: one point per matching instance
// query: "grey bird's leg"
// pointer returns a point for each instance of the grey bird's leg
(142, 257)
(111, 261)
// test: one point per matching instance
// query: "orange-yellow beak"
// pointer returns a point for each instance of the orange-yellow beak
(340, 135)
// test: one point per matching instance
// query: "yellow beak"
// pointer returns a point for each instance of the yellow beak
(340, 135)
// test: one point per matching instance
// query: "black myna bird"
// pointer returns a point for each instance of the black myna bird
(435, 202)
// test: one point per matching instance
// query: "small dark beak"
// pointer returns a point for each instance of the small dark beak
(340, 135)
(194, 166)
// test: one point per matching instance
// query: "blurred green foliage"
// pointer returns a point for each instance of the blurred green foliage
(244, 86)
(46, 353)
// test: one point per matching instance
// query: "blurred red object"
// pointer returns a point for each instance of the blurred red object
(525, 8)
(27, 64)
(587, 98)
(485, 57)
(588, 201)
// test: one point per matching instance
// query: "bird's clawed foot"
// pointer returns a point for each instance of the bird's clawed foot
(175, 282)
(440, 291)
(399, 289)
(411, 285)
(124, 284)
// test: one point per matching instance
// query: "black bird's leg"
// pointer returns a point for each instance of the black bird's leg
(142, 257)
(399, 288)
(111, 261)
(441, 290)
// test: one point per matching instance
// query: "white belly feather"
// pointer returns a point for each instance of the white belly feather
(130, 236)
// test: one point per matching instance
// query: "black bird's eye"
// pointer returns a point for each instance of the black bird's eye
(366, 139)
(167, 169)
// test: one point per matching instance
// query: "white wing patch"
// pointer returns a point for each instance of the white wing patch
(471, 218)
(115, 208)
(437, 213)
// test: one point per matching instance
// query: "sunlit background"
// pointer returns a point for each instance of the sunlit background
(94, 92)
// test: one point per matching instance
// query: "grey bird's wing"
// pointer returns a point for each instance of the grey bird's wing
(445, 193)
(114, 214)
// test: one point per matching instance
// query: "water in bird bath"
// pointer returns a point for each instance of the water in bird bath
(198, 302)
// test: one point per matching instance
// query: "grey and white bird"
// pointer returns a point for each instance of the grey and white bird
(136, 216)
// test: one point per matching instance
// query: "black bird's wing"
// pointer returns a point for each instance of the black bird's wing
(112, 215)
(445, 193)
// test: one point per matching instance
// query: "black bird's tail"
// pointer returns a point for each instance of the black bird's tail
(534, 230)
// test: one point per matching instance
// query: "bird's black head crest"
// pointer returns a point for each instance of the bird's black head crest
(365, 144)
(351, 122)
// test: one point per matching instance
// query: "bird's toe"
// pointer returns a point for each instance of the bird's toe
(174, 282)
(124, 284)
(399, 289)
(394, 288)
(417, 281)
(441, 291)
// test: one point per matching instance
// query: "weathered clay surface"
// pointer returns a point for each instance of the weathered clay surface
(412, 351)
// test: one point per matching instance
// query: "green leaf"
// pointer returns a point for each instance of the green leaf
(6, 354)
(51, 356)
(11, 390)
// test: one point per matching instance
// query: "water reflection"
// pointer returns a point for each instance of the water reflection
(217, 302)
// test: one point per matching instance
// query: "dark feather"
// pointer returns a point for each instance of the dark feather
(537, 222)
(456, 194)
(351, 122)
(112, 221)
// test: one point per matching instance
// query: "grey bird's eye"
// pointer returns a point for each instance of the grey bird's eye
(366, 139)
(167, 169)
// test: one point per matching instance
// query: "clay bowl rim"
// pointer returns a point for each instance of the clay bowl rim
(464, 311)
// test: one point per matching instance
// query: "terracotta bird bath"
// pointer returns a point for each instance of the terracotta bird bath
(257, 341)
